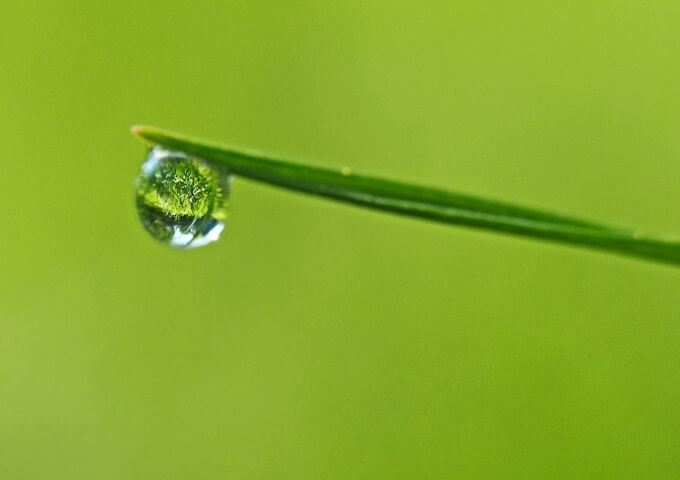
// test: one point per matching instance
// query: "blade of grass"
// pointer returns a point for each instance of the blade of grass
(417, 201)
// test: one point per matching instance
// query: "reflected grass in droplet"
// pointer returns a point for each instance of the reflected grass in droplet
(181, 201)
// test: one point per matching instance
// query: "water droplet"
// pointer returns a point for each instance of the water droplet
(181, 201)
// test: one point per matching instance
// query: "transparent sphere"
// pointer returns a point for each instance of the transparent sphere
(180, 200)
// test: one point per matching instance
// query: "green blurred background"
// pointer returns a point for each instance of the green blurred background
(317, 340)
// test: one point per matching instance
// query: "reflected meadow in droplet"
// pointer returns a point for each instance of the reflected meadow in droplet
(181, 201)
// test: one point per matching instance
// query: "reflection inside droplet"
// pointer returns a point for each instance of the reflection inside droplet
(181, 201)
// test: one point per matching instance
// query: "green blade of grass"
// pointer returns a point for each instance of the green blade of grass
(417, 201)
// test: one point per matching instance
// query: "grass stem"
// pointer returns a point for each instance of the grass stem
(422, 202)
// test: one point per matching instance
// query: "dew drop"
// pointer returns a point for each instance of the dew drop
(181, 201)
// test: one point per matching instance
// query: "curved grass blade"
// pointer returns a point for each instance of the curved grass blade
(417, 201)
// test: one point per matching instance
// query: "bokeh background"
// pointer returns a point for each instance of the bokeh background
(318, 340)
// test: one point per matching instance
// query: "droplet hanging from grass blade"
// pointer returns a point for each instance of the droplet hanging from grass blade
(181, 201)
